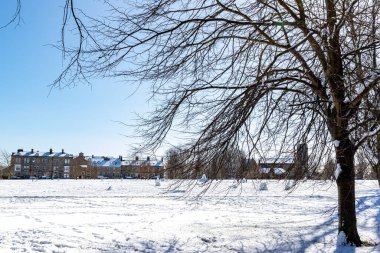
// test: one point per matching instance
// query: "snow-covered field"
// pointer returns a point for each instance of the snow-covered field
(136, 215)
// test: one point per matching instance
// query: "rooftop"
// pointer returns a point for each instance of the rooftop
(42, 154)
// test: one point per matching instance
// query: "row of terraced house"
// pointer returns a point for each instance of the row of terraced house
(51, 164)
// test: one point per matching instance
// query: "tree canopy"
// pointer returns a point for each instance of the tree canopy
(260, 75)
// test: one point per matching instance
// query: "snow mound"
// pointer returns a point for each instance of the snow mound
(203, 179)
(263, 187)
(289, 185)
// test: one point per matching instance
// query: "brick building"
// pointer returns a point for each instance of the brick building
(105, 167)
(91, 167)
(295, 167)
(142, 168)
(27, 164)
(82, 168)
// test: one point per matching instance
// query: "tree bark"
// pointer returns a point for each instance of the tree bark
(377, 166)
(377, 172)
(346, 192)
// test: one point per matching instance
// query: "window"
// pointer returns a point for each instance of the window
(17, 167)
(66, 169)
(26, 160)
(55, 171)
(18, 160)
(67, 161)
(26, 167)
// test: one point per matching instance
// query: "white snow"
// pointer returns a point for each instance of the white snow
(342, 239)
(157, 182)
(263, 186)
(290, 185)
(137, 216)
(347, 100)
(203, 179)
(279, 171)
(338, 170)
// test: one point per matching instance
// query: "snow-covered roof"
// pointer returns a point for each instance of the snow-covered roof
(277, 160)
(153, 163)
(279, 171)
(43, 154)
(264, 170)
(102, 161)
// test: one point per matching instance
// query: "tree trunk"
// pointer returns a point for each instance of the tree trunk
(377, 167)
(377, 172)
(346, 192)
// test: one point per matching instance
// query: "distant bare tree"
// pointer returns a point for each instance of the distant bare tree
(229, 164)
(5, 164)
(371, 150)
(372, 147)
(328, 171)
(175, 165)
(262, 76)
(361, 166)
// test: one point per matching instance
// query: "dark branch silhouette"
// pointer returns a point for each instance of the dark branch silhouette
(259, 76)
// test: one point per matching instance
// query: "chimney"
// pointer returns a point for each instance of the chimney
(162, 159)
(92, 156)
(20, 150)
(51, 151)
(32, 151)
(137, 158)
(148, 158)
(121, 158)
(81, 154)
(63, 151)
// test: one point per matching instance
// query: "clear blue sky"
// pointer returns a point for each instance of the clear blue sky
(80, 119)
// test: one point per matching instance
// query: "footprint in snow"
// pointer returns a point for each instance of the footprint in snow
(77, 230)
(98, 236)
(208, 240)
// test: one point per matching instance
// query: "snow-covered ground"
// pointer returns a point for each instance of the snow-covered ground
(137, 215)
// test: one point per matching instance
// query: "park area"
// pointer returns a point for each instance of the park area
(141, 216)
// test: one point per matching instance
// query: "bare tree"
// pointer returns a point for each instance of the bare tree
(371, 150)
(372, 147)
(5, 164)
(261, 75)
(229, 164)
(328, 169)
(175, 163)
